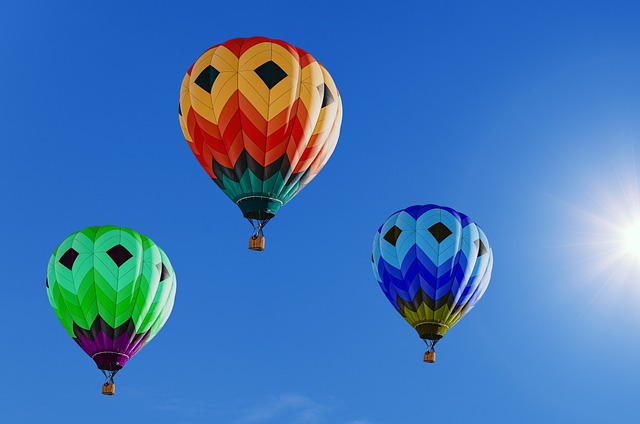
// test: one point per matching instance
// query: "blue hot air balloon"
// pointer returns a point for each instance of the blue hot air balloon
(434, 265)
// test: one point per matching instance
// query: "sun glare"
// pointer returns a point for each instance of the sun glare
(603, 236)
(632, 240)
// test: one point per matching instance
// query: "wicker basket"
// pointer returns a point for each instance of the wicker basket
(109, 389)
(256, 243)
(430, 357)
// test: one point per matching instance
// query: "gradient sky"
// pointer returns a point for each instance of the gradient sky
(524, 115)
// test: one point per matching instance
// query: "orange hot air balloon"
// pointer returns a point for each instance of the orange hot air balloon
(262, 117)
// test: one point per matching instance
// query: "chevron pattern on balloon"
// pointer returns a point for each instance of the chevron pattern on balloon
(261, 116)
(432, 263)
(111, 288)
(245, 161)
(117, 344)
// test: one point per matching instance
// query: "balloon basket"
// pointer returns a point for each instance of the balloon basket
(430, 357)
(256, 243)
(109, 389)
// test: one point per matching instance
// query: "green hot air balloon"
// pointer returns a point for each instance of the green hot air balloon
(112, 289)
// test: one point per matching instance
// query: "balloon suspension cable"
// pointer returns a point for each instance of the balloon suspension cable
(431, 345)
(109, 376)
(258, 226)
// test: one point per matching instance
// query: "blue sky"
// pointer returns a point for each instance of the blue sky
(523, 115)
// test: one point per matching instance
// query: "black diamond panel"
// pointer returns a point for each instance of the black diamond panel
(179, 110)
(392, 235)
(439, 231)
(69, 258)
(270, 73)
(206, 78)
(164, 272)
(47, 282)
(327, 97)
(482, 249)
(119, 254)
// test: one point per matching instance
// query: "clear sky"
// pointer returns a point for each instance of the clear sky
(524, 115)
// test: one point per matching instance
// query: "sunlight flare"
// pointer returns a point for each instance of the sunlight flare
(608, 238)
(632, 240)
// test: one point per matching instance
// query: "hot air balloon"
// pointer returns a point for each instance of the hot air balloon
(262, 117)
(112, 289)
(434, 265)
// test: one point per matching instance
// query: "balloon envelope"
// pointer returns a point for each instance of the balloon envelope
(262, 117)
(433, 264)
(112, 289)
